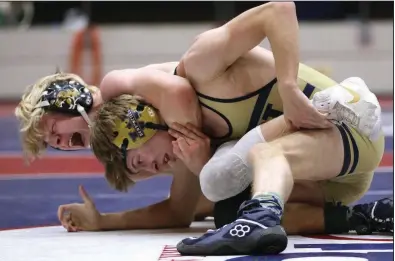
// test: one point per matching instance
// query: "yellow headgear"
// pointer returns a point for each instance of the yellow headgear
(140, 124)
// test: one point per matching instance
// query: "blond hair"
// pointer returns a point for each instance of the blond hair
(102, 136)
(32, 136)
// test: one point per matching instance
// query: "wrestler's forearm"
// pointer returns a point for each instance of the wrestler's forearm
(127, 81)
(155, 216)
(283, 35)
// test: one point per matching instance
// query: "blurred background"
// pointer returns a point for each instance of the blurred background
(341, 39)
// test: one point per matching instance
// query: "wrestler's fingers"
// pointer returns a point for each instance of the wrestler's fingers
(196, 131)
(291, 124)
(68, 218)
(176, 150)
(185, 131)
(62, 210)
(183, 145)
(174, 134)
(67, 224)
(73, 223)
(71, 229)
(177, 135)
(85, 196)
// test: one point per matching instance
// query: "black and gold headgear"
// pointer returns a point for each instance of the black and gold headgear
(139, 125)
(67, 96)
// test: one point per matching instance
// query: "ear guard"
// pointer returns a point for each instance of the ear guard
(67, 96)
(139, 125)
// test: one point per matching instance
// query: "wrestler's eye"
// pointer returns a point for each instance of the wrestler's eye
(53, 128)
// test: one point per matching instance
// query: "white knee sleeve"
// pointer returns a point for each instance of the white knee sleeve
(227, 173)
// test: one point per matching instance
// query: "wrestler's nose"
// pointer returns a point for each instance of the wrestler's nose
(62, 142)
(56, 141)
(149, 163)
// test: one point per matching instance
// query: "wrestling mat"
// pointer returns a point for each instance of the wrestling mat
(55, 244)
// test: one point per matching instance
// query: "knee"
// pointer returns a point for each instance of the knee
(224, 177)
(211, 184)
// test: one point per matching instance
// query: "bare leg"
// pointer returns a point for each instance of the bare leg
(299, 155)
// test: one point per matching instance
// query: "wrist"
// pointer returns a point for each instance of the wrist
(102, 222)
(287, 88)
(107, 222)
(288, 85)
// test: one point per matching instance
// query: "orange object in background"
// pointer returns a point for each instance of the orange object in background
(87, 39)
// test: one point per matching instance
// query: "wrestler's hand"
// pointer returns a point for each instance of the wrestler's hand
(191, 146)
(299, 112)
(80, 217)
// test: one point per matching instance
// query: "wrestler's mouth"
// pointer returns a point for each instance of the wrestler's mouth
(76, 140)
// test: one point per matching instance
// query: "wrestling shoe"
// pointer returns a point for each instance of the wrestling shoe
(377, 216)
(257, 231)
(351, 102)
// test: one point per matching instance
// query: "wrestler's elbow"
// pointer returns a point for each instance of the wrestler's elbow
(268, 14)
(181, 219)
(192, 61)
(183, 92)
(182, 222)
(278, 9)
(207, 56)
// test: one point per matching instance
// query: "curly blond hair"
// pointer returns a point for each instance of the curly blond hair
(29, 117)
(102, 135)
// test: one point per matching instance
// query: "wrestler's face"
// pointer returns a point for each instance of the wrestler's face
(65, 132)
(153, 156)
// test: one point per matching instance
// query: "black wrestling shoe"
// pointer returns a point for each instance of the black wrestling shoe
(377, 216)
(257, 231)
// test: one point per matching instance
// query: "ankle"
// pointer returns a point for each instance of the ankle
(271, 201)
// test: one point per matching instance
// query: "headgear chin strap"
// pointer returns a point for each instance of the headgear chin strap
(67, 96)
(139, 125)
